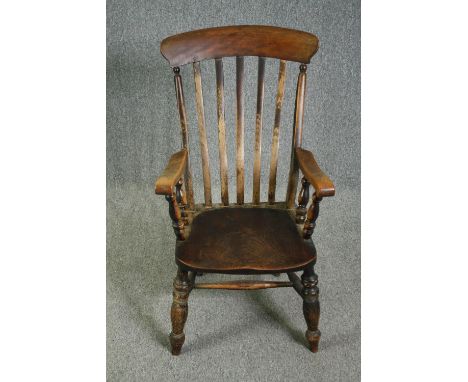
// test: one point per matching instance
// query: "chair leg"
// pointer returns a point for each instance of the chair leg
(179, 310)
(311, 306)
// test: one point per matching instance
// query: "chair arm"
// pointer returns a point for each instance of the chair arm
(172, 173)
(310, 169)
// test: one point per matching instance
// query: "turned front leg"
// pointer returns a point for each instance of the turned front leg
(179, 310)
(311, 306)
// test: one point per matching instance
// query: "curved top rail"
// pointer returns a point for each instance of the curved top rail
(239, 40)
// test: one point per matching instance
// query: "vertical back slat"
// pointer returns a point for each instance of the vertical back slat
(276, 128)
(202, 134)
(258, 131)
(240, 129)
(297, 136)
(221, 131)
(185, 138)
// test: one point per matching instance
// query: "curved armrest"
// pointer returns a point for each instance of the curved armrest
(172, 173)
(322, 184)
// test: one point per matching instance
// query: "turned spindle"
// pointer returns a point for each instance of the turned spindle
(176, 217)
(312, 215)
(181, 200)
(302, 200)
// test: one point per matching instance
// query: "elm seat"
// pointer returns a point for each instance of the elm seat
(241, 236)
(253, 240)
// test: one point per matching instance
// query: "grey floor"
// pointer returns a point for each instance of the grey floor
(230, 335)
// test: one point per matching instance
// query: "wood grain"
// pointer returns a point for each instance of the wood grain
(164, 185)
(297, 136)
(239, 40)
(311, 217)
(176, 217)
(296, 282)
(202, 134)
(302, 201)
(179, 311)
(244, 285)
(311, 306)
(243, 238)
(276, 130)
(258, 131)
(185, 138)
(310, 169)
(240, 130)
(245, 241)
(221, 131)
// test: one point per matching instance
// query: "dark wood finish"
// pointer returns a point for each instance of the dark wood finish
(244, 285)
(297, 136)
(276, 128)
(181, 201)
(303, 200)
(176, 217)
(202, 134)
(258, 131)
(311, 306)
(175, 168)
(185, 138)
(191, 277)
(241, 40)
(296, 282)
(221, 132)
(322, 184)
(244, 240)
(240, 129)
(312, 215)
(270, 237)
(179, 310)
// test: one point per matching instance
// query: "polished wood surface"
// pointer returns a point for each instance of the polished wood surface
(258, 237)
(202, 134)
(223, 167)
(311, 306)
(241, 40)
(311, 217)
(179, 310)
(244, 240)
(184, 131)
(258, 131)
(322, 184)
(175, 213)
(302, 201)
(172, 173)
(297, 136)
(240, 130)
(276, 129)
(244, 285)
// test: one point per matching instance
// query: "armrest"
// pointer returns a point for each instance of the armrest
(172, 173)
(310, 169)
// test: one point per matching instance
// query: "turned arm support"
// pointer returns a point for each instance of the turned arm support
(172, 173)
(323, 187)
(314, 175)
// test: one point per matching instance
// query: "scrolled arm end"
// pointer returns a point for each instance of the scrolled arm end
(174, 170)
(310, 169)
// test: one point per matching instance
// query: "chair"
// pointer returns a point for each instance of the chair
(270, 237)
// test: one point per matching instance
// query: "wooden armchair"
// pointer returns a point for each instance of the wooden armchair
(243, 238)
